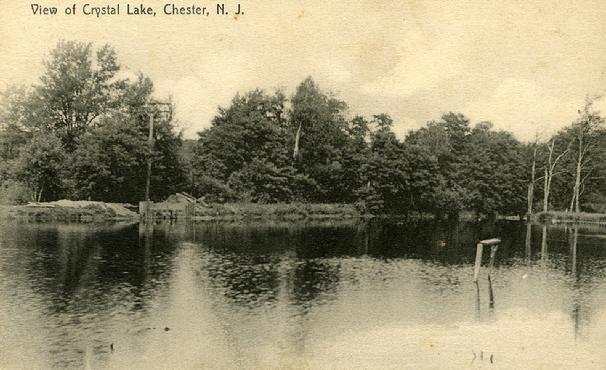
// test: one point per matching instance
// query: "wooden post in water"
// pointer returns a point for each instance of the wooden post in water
(476, 269)
(493, 254)
(493, 244)
(490, 293)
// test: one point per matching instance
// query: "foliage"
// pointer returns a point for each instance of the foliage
(213, 190)
(497, 172)
(323, 141)
(263, 182)
(477, 168)
(101, 122)
(387, 170)
(246, 147)
(39, 166)
(13, 132)
(82, 132)
(14, 192)
(448, 140)
(109, 162)
(585, 139)
(77, 86)
(445, 167)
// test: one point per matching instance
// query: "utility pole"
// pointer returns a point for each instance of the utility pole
(151, 107)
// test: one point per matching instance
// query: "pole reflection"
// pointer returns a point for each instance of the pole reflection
(528, 243)
(544, 251)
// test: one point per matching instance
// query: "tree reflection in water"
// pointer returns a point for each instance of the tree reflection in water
(282, 288)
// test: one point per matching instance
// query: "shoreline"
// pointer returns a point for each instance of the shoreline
(571, 218)
(86, 212)
(100, 212)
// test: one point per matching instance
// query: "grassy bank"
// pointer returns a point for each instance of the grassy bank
(290, 211)
(570, 217)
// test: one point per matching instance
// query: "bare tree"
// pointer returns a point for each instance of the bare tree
(585, 141)
(550, 167)
(532, 179)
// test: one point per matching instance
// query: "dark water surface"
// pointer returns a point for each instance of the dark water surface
(300, 295)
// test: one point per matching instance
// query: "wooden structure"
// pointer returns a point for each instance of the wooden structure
(494, 245)
(166, 210)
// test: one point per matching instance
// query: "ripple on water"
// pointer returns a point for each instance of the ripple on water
(296, 295)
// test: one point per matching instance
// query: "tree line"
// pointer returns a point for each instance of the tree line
(81, 132)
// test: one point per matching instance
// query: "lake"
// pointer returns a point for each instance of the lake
(317, 294)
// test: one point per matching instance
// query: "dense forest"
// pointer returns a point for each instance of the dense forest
(81, 132)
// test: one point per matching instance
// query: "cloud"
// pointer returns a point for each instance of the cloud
(513, 63)
(525, 108)
(424, 64)
(334, 71)
(404, 125)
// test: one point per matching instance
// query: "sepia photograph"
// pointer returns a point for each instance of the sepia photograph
(302, 184)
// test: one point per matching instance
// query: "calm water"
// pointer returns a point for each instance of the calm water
(300, 295)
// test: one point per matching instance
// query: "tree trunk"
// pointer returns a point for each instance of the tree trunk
(530, 198)
(577, 180)
(532, 180)
(295, 152)
(546, 191)
(549, 173)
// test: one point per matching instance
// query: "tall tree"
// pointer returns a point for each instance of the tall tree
(587, 133)
(14, 132)
(109, 160)
(78, 95)
(401, 176)
(496, 171)
(247, 150)
(77, 86)
(553, 158)
(448, 141)
(320, 132)
(478, 168)
(533, 168)
(355, 157)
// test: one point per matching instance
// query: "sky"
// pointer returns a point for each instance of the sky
(526, 66)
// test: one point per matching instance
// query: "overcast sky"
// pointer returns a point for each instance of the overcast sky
(526, 66)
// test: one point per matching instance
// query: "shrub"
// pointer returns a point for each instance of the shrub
(13, 192)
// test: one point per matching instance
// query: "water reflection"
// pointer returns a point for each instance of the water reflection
(490, 297)
(543, 244)
(314, 280)
(298, 295)
(528, 242)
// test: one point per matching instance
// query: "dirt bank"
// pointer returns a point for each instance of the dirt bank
(68, 211)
